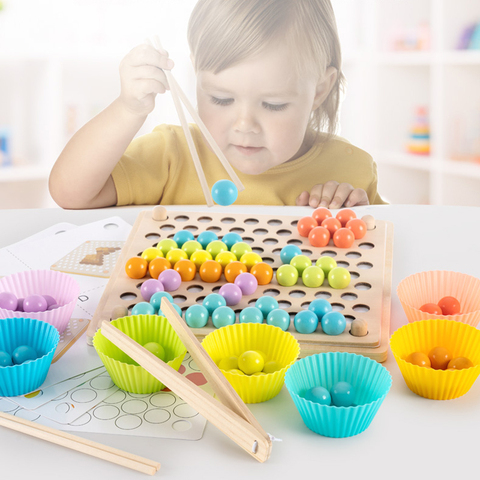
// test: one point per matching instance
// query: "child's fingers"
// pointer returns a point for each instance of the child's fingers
(148, 86)
(357, 197)
(302, 199)
(327, 193)
(147, 55)
(341, 194)
(147, 72)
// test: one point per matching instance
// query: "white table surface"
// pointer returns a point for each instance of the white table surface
(410, 437)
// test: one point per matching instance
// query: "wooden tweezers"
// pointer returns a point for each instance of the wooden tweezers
(229, 413)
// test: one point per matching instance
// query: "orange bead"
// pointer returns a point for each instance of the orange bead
(343, 238)
(439, 356)
(305, 224)
(210, 271)
(431, 308)
(319, 237)
(332, 225)
(136, 267)
(419, 358)
(321, 213)
(233, 270)
(358, 227)
(186, 268)
(449, 306)
(345, 215)
(263, 272)
(157, 266)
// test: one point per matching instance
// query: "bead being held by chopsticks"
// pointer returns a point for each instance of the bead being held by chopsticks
(224, 192)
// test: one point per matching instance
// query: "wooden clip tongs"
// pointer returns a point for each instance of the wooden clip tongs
(229, 414)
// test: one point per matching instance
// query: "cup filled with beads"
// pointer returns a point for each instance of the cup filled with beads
(441, 294)
(45, 295)
(337, 394)
(253, 357)
(154, 333)
(438, 358)
(27, 347)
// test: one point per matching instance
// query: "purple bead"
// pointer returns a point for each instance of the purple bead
(170, 279)
(53, 306)
(20, 305)
(149, 287)
(8, 301)
(247, 282)
(50, 300)
(231, 293)
(34, 303)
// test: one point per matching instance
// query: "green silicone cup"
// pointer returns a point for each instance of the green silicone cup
(126, 373)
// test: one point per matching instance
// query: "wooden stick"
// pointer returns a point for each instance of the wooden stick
(255, 442)
(188, 135)
(79, 444)
(220, 385)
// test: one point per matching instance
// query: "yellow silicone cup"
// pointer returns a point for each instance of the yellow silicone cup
(429, 287)
(272, 341)
(126, 373)
(459, 338)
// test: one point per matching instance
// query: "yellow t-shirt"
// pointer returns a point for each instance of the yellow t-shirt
(157, 168)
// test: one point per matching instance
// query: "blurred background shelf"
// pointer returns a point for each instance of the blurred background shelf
(398, 57)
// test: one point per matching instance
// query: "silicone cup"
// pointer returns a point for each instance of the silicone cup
(273, 341)
(127, 374)
(29, 376)
(370, 380)
(460, 339)
(62, 287)
(429, 287)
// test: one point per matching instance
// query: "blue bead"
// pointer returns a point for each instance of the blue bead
(23, 353)
(319, 395)
(212, 301)
(333, 323)
(156, 299)
(266, 304)
(279, 318)
(251, 315)
(231, 238)
(288, 252)
(305, 322)
(5, 359)
(183, 236)
(320, 307)
(206, 237)
(343, 394)
(196, 316)
(224, 192)
(223, 316)
(143, 308)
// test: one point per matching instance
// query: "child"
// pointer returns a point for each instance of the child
(268, 82)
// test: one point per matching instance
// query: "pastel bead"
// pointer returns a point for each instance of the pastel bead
(231, 293)
(170, 279)
(305, 322)
(247, 282)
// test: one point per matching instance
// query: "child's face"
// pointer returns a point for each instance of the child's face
(257, 110)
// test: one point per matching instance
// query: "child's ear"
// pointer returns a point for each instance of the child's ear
(324, 87)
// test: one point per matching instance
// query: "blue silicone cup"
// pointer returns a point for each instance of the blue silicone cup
(370, 380)
(29, 376)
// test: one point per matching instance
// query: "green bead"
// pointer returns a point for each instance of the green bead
(339, 278)
(287, 275)
(166, 245)
(326, 264)
(300, 262)
(191, 246)
(240, 248)
(313, 277)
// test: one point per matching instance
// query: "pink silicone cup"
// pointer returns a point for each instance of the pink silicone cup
(429, 287)
(59, 285)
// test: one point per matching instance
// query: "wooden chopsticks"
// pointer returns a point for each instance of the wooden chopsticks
(79, 444)
(230, 415)
(178, 97)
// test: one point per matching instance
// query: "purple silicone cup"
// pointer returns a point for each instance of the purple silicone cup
(170, 279)
(231, 293)
(59, 285)
(247, 283)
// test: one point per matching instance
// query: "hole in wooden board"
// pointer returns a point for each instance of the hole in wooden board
(191, 228)
(353, 255)
(128, 296)
(276, 251)
(167, 227)
(307, 252)
(268, 260)
(252, 302)
(337, 307)
(305, 305)
(194, 288)
(366, 245)
(363, 286)
(200, 299)
(323, 294)
(274, 222)
(294, 242)
(361, 308)
(328, 253)
(205, 219)
(272, 291)
(294, 223)
(297, 293)
(258, 250)
(214, 229)
(284, 304)
(349, 318)
(343, 263)
(349, 296)
(216, 289)
(283, 233)
(251, 221)
(179, 298)
(365, 265)
(260, 231)
(237, 230)
(182, 218)
(152, 236)
(228, 220)
(270, 241)
(171, 235)
(248, 239)
(354, 275)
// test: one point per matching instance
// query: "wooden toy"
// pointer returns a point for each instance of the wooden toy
(367, 297)
(229, 413)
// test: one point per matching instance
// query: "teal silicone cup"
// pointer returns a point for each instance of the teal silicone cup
(126, 373)
(370, 380)
(28, 376)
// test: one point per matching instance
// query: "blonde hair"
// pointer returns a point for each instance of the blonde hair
(222, 33)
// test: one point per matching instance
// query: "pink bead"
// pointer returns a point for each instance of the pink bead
(149, 287)
(231, 293)
(8, 301)
(34, 303)
(247, 282)
(50, 300)
(170, 279)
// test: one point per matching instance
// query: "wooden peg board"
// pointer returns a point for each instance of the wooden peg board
(367, 297)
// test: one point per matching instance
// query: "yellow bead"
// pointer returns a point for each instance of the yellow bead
(200, 257)
(176, 254)
(150, 253)
(224, 258)
(250, 259)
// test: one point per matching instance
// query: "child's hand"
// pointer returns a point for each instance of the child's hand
(142, 77)
(333, 195)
